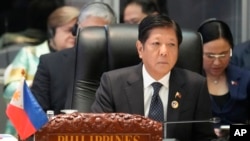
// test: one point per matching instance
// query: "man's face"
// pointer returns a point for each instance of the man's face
(133, 14)
(160, 51)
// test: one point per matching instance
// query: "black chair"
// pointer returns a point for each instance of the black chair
(101, 49)
(91, 62)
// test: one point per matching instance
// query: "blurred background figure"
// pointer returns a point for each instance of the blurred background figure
(136, 10)
(228, 85)
(36, 18)
(54, 79)
(241, 55)
(11, 13)
(60, 24)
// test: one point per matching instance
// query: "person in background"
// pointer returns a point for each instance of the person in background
(60, 24)
(38, 12)
(182, 96)
(228, 85)
(136, 10)
(54, 79)
(241, 55)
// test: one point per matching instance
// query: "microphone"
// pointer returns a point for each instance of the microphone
(211, 120)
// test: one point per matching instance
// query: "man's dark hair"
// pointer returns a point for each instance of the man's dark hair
(152, 21)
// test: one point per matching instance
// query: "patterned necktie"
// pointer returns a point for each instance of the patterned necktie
(156, 107)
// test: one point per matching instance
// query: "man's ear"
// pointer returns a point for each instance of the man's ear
(139, 47)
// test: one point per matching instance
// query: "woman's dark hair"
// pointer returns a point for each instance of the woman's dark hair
(213, 29)
(153, 21)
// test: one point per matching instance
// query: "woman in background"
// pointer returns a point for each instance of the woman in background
(60, 24)
(228, 85)
(35, 17)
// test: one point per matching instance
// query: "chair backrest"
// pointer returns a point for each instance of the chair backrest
(100, 127)
(121, 46)
(101, 49)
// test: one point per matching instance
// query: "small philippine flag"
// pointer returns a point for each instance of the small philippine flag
(24, 112)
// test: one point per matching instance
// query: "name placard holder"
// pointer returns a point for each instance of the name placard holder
(100, 127)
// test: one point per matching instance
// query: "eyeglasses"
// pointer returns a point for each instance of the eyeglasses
(221, 56)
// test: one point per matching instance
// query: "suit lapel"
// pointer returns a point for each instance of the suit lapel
(134, 91)
(175, 101)
(233, 80)
(68, 67)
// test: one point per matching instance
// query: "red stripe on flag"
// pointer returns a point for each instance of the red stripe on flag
(20, 121)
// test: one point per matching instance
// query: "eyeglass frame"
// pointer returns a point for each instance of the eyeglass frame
(212, 56)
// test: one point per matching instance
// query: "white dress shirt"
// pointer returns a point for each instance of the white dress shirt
(148, 91)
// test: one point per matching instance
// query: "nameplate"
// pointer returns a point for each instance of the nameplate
(98, 137)
(100, 127)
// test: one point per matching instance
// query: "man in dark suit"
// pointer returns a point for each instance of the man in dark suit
(241, 55)
(53, 82)
(182, 96)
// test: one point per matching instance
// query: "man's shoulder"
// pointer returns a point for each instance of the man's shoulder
(235, 70)
(186, 73)
(242, 46)
(58, 54)
(127, 69)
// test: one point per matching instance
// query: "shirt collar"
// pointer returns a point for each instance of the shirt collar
(148, 80)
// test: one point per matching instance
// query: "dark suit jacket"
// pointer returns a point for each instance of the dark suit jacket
(53, 82)
(236, 109)
(122, 91)
(241, 55)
